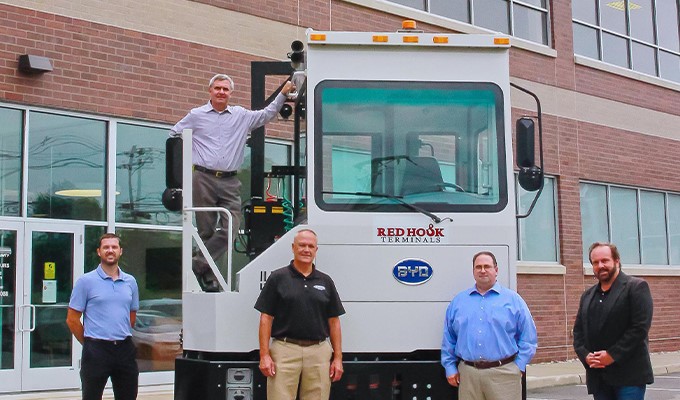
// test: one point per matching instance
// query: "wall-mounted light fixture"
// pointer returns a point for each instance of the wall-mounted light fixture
(31, 64)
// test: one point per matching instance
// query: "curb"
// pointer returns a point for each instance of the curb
(556, 380)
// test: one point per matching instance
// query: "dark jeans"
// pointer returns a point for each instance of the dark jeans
(103, 360)
(607, 392)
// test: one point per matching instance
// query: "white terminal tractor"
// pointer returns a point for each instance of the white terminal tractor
(403, 166)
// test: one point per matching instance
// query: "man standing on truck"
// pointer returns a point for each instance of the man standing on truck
(611, 331)
(219, 137)
(489, 337)
(300, 310)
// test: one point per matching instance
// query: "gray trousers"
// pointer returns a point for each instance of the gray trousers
(211, 191)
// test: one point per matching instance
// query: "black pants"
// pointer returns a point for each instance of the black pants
(103, 360)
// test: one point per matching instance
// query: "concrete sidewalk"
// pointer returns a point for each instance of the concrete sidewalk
(538, 376)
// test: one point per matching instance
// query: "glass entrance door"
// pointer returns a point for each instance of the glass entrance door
(11, 239)
(53, 261)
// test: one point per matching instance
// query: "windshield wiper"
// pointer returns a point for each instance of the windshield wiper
(399, 199)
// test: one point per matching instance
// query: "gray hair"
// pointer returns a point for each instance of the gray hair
(221, 77)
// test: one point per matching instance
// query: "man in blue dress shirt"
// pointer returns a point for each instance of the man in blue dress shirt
(107, 299)
(489, 337)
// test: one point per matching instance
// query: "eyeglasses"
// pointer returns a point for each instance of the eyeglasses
(484, 267)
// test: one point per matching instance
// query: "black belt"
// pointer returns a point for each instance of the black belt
(300, 342)
(490, 364)
(217, 174)
(113, 342)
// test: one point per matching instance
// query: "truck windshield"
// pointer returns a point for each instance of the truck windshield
(439, 145)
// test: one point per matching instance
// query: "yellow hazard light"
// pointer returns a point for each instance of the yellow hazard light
(501, 40)
(440, 39)
(408, 24)
(318, 37)
(410, 39)
(277, 210)
(259, 209)
(380, 38)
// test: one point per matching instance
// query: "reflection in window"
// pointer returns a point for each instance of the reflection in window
(66, 167)
(613, 16)
(645, 27)
(492, 14)
(624, 227)
(586, 42)
(8, 270)
(653, 228)
(644, 59)
(11, 136)
(674, 227)
(614, 50)
(51, 341)
(530, 16)
(637, 221)
(140, 176)
(435, 144)
(537, 233)
(594, 218)
(154, 258)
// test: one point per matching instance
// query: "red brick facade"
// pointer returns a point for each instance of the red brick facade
(112, 71)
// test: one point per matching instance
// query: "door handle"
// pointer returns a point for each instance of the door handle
(31, 327)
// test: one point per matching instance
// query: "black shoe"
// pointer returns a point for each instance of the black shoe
(208, 283)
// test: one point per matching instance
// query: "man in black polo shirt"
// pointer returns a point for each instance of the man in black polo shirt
(300, 310)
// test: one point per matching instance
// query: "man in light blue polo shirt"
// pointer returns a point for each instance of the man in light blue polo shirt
(489, 337)
(107, 299)
(219, 137)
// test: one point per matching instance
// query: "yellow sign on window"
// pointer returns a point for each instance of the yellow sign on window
(50, 270)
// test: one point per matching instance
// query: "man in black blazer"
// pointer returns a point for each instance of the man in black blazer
(611, 329)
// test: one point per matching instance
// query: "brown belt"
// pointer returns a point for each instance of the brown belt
(218, 174)
(490, 364)
(300, 342)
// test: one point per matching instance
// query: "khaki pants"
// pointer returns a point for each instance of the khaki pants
(500, 383)
(307, 366)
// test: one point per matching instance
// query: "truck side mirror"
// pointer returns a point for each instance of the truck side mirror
(173, 163)
(172, 196)
(530, 176)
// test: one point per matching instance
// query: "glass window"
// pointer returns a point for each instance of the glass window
(584, 10)
(653, 228)
(614, 50)
(674, 227)
(417, 4)
(624, 224)
(530, 24)
(66, 167)
(11, 134)
(8, 297)
(538, 232)
(641, 23)
(140, 176)
(669, 66)
(644, 59)
(154, 258)
(454, 9)
(435, 144)
(613, 15)
(586, 42)
(667, 24)
(594, 221)
(630, 26)
(492, 14)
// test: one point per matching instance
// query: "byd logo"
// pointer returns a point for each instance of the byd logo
(412, 271)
